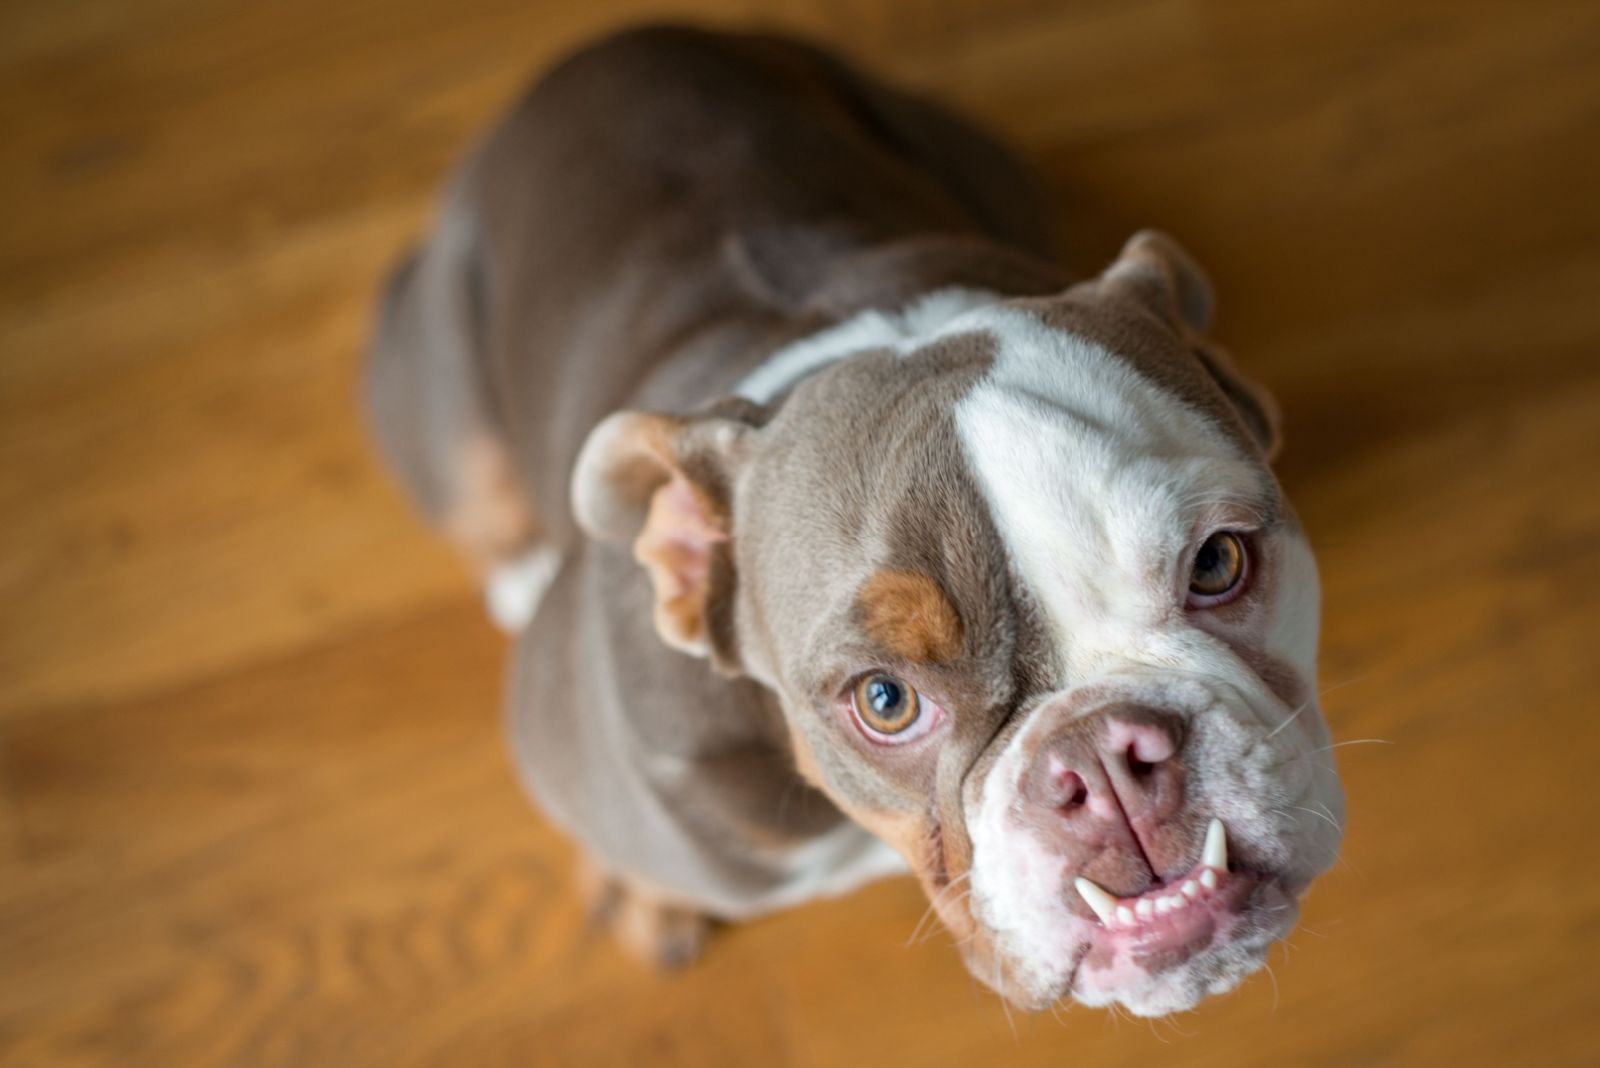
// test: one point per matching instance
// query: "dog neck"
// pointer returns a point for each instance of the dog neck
(925, 318)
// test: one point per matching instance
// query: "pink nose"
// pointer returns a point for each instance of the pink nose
(1109, 779)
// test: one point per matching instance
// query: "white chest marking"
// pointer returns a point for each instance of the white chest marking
(514, 590)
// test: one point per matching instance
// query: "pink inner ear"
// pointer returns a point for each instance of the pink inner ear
(676, 542)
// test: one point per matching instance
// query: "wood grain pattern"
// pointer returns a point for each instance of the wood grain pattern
(254, 805)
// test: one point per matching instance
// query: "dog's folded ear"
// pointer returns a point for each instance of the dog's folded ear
(1157, 272)
(1154, 269)
(666, 482)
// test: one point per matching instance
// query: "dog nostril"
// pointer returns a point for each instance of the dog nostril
(1074, 791)
(1136, 767)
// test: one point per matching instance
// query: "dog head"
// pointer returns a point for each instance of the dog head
(1037, 611)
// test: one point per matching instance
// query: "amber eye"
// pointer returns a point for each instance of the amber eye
(1219, 567)
(885, 704)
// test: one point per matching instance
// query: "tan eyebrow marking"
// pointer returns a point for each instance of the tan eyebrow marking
(910, 615)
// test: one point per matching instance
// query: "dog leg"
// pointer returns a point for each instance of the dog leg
(650, 927)
(428, 402)
(489, 518)
(491, 522)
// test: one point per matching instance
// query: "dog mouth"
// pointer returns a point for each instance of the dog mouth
(1181, 910)
(1186, 906)
(1172, 923)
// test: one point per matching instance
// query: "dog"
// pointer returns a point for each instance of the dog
(843, 535)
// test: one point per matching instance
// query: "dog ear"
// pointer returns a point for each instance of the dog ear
(1154, 269)
(666, 482)
(1257, 408)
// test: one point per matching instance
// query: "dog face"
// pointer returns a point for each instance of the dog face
(1039, 616)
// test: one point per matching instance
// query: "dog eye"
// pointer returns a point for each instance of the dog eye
(885, 705)
(1219, 569)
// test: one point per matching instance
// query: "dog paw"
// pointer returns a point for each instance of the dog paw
(663, 936)
(651, 929)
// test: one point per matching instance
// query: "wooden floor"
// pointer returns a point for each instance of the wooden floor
(254, 806)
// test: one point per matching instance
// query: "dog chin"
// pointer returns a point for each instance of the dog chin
(1171, 969)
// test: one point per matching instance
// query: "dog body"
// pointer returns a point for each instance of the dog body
(755, 378)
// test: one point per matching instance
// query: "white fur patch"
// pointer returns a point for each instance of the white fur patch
(1093, 476)
(1017, 887)
(929, 316)
(514, 590)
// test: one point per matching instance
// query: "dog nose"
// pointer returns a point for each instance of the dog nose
(1114, 773)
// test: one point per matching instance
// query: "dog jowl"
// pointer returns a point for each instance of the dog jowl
(834, 488)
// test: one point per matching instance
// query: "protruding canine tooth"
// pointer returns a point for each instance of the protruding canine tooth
(1208, 879)
(1215, 854)
(1144, 908)
(1125, 915)
(1104, 905)
(1190, 888)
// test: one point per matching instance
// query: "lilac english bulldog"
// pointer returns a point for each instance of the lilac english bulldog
(841, 534)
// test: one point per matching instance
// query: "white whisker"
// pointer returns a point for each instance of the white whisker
(1352, 741)
(1325, 691)
(1292, 717)
(1156, 1034)
(934, 904)
(1325, 817)
(936, 927)
(1000, 988)
(1274, 977)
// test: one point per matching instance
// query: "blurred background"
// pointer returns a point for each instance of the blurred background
(254, 803)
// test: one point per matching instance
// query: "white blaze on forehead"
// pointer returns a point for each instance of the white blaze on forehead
(1093, 474)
